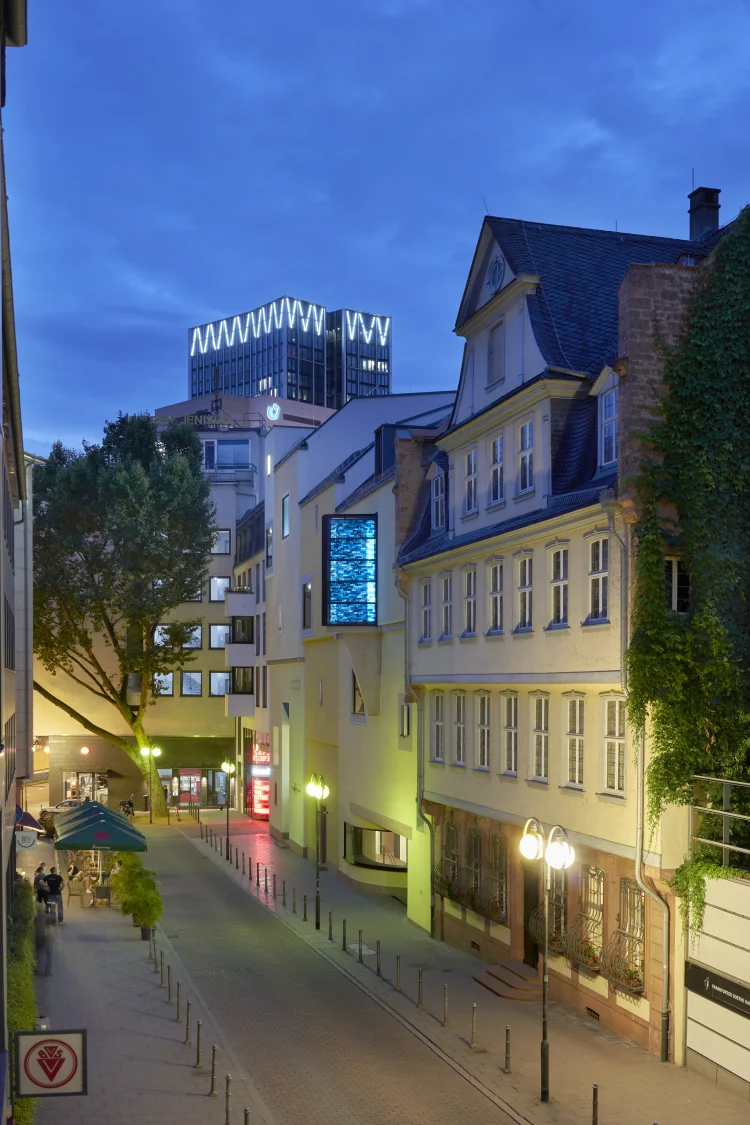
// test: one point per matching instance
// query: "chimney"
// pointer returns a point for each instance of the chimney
(704, 211)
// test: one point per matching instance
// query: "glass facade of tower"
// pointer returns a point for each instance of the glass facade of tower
(293, 349)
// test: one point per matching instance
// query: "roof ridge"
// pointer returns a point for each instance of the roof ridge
(593, 231)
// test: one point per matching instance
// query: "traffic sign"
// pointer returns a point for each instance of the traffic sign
(50, 1064)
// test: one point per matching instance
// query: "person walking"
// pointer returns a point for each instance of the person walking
(40, 884)
(55, 899)
(43, 939)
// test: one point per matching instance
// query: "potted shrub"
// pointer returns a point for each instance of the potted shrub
(148, 911)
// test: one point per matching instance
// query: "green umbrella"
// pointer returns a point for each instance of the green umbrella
(107, 832)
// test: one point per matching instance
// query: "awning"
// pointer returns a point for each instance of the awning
(26, 820)
(96, 826)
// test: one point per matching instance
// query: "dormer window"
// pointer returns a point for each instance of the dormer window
(608, 427)
(438, 501)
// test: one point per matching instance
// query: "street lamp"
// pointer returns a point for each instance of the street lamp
(556, 852)
(317, 788)
(228, 768)
(150, 754)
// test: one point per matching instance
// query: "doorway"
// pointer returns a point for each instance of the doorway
(531, 899)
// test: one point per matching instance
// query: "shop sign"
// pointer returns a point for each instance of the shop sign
(26, 839)
(722, 990)
(50, 1064)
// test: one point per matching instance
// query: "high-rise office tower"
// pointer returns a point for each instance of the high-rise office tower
(293, 349)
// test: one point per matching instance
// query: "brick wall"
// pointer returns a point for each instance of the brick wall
(412, 463)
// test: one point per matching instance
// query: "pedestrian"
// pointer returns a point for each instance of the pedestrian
(176, 804)
(73, 869)
(40, 884)
(43, 939)
(55, 900)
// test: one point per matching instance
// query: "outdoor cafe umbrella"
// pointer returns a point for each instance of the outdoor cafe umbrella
(106, 831)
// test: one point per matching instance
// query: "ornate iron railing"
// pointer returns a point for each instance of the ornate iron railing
(536, 929)
(581, 946)
(492, 899)
(622, 961)
(444, 877)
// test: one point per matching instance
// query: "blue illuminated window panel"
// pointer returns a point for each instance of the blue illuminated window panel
(350, 570)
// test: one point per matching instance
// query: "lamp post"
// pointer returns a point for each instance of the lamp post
(228, 768)
(317, 788)
(555, 852)
(150, 754)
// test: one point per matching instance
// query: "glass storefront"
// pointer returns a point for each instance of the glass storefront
(374, 847)
(95, 786)
(257, 768)
(209, 787)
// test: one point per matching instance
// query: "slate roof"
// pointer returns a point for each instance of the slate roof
(336, 473)
(372, 484)
(574, 312)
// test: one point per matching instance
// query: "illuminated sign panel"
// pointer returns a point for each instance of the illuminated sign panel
(239, 329)
(350, 561)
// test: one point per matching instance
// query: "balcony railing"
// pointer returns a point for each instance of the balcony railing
(487, 896)
(536, 929)
(622, 961)
(230, 474)
(582, 944)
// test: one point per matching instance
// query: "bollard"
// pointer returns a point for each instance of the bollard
(156, 963)
(294, 900)
(506, 1068)
(274, 885)
(201, 831)
(330, 925)
(187, 1023)
(243, 865)
(161, 962)
(178, 1017)
(473, 1026)
(210, 835)
(228, 1101)
(377, 959)
(265, 879)
(198, 1041)
(419, 987)
(343, 935)
(152, 944)
(304, 908)
(257, 874)
(237, 859)
(398, 972)
(169, 984)
(212, 1092)
(249, 867)
(445, 1005)
(359, 946)
(595, 1105)
(246, 1113)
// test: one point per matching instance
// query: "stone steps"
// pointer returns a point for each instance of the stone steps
(511, 980)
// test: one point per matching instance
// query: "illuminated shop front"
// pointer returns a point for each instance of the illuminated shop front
(257, 754)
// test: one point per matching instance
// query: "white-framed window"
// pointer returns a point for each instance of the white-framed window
(470, 603)
(285, 516)
(446, 587)
(575, 711)
(222, 544)
(438, 726)
(483, 731)
(677, 585)
(470, 481)
(540, 737)
(614, 745)
(459, 728)
(496, 354)
(559, 586)
(497, 488)
(358, 702)
(526, 456)
(510, 731)
(194, 637)
(426, 611)
(438, 501)
(525, 576)
(495, 597)
(599, 580)
(608, 427)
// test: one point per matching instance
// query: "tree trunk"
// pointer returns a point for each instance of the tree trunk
(150, 769)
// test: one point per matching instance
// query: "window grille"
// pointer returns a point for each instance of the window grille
(473, 865)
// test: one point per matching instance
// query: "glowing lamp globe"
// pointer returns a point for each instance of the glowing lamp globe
(155, 753)
(560, 854)
(531, 845)
(85, 750)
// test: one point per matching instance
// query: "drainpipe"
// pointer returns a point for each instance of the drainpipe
(608, 503)
(410, 696)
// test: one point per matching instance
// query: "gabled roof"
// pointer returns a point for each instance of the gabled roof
(372, 484)
(336, 473)
(574, 311)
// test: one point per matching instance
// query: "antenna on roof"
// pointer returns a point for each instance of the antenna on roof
(486, 208)
(615, 226)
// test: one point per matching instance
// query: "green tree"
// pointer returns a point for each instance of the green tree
(122, 535)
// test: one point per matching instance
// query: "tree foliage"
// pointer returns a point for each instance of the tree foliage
(122, 535)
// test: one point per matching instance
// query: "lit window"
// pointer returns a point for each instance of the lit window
(526, 457)
(495, 580)
(599, 580)
(470, 481)
(496, 471)
(164, 683)
(218, 635)
(540, 745)
(358, 703)
(218, 683)
(222, 543)
(608, 427)
(560, 586)
(614, 745)
(525, 570)
(269, 548)
(350, 564)
(191, 683)
(677, 580)
(194, 638)
(426, 611)
(447, 607)
(470, 603)
(268, 464)
(575, 741)
(307, 605)
(438, 726)
(438, 501)
(459, 728)
(217, 587)
(483, 732)
(510, 710)
(285, 516)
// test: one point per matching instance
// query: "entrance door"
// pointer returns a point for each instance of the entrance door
(530, 903)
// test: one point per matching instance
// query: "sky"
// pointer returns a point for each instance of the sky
(176, 162)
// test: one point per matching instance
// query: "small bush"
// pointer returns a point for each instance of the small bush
(22, 1012)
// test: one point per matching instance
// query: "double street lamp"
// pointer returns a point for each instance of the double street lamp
(153, 752)
(228, 768)
(557, 852)
(317, 788)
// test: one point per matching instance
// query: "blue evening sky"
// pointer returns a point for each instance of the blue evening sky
(173, 162)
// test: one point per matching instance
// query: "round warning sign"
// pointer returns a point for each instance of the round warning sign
(50, 1065)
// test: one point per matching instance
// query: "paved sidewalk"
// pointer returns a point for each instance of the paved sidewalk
(634, 1087)
(139, 1068)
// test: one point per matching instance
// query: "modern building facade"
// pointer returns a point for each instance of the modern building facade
(292, 349)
